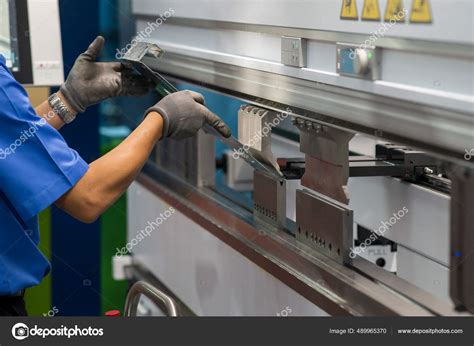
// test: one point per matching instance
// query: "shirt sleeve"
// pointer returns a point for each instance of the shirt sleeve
(36, 164)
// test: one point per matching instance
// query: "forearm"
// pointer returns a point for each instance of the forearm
(45, 111)
(109, 176)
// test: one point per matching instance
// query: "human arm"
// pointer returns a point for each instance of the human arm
(109, 176)
(178, 116)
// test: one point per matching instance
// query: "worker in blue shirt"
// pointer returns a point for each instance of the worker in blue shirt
(37, 167)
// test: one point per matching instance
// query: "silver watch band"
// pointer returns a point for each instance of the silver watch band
(61, 109)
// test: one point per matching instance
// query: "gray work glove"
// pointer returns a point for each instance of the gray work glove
(184, 114)
(91, 82)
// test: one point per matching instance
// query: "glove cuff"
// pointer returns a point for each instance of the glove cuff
(166, 119)
(70, 99)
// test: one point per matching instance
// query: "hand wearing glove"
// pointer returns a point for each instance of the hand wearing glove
(91, 82)
(184, 114)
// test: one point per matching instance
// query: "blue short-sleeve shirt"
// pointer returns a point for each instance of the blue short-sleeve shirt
(36, 168)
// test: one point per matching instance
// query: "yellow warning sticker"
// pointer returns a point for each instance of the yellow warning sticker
(395, 11)
(371, 10)
(349, 10)
(420, 12)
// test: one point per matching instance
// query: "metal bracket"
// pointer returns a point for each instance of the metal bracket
(293, 51)
(269, 199)
(324, 224)
(327, 158)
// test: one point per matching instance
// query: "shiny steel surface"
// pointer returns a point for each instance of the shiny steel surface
(324, 224)
(446, 133)
(155, 295)
(269, 199)
(335, 288)
(327, 159)
(138, 57)
(429, 301)
(247, 155)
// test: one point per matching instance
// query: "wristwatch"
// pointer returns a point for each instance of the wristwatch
(61, 109)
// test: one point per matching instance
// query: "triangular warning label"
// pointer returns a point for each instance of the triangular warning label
(395, 11)
(371, 10)
(349, 10)
(420, 12)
